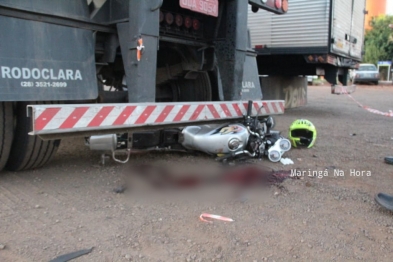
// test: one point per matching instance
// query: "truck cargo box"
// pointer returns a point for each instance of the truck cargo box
(311, 27)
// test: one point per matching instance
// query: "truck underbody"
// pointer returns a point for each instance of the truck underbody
(126, 54)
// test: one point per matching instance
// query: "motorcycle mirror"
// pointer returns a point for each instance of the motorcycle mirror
(270, 122)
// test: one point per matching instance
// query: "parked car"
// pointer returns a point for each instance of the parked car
(310, 79)
(366, 73)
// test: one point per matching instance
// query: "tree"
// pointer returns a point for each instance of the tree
(378, 41)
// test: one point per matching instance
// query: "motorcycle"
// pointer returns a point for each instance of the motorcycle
(250, 139)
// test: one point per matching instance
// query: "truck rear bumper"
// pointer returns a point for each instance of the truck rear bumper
(56, 121)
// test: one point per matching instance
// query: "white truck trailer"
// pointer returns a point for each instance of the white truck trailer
(319, 37)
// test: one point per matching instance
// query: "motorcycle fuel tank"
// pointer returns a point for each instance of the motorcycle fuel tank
(213, 139)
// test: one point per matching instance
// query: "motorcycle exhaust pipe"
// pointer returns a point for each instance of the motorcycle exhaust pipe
(245, 152)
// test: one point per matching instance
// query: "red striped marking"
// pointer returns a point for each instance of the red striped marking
(145, 115)
(226, 110)
(256, 106)
(182, 112)
(100, 116)
(213, 111)
(275, 107)
(53, 115)
(237, 109)
(74, 117)
(198, 110)
(122, 118)
(282, 106)
(45, 118)
(161, 118)
(266, 108)
(245, 107)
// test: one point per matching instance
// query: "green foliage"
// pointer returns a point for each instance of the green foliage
(378, 42)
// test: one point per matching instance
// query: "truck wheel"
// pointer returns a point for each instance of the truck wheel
(6, 131)
(28, 151)
(198, 89)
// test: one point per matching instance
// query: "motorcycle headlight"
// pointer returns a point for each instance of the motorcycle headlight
(234, 144)
(276, 151)
(274, 155)
(285, 144)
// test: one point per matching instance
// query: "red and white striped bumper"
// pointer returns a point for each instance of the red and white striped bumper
(58, 119)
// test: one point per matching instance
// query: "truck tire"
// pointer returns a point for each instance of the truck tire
(198, 89)
(6, 131)
(27, 151)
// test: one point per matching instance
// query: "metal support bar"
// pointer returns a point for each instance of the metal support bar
(139, 44)
(231, 52)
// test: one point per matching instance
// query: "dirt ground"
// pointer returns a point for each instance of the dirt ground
(70, 205)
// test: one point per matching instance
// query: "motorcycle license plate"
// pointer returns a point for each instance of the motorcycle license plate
(207, 7)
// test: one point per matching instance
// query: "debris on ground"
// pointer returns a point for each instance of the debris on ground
(2, 246)
(389, 160)
(71, 256)
(340, 90)
(385, 200)
(286, 161)
(202, 218)
(120, 189)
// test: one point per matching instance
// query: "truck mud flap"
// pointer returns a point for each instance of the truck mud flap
(292, 89)
(46, 62)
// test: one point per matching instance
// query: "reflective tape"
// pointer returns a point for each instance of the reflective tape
(58, 118)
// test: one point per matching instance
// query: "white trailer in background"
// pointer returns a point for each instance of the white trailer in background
(319, 37)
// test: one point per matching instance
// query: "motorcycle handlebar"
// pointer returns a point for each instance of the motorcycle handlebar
(249, 108)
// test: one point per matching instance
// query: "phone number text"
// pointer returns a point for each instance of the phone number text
(42, 84)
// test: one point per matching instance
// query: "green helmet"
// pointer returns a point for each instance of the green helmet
(302, 133)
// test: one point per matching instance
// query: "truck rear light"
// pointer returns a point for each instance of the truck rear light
(196, 25)
(357, 76)
(179, 20)
(376, 76)
(169, 19)
(278, 3)
(188, 22)
(285, 5)
(161, 16)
